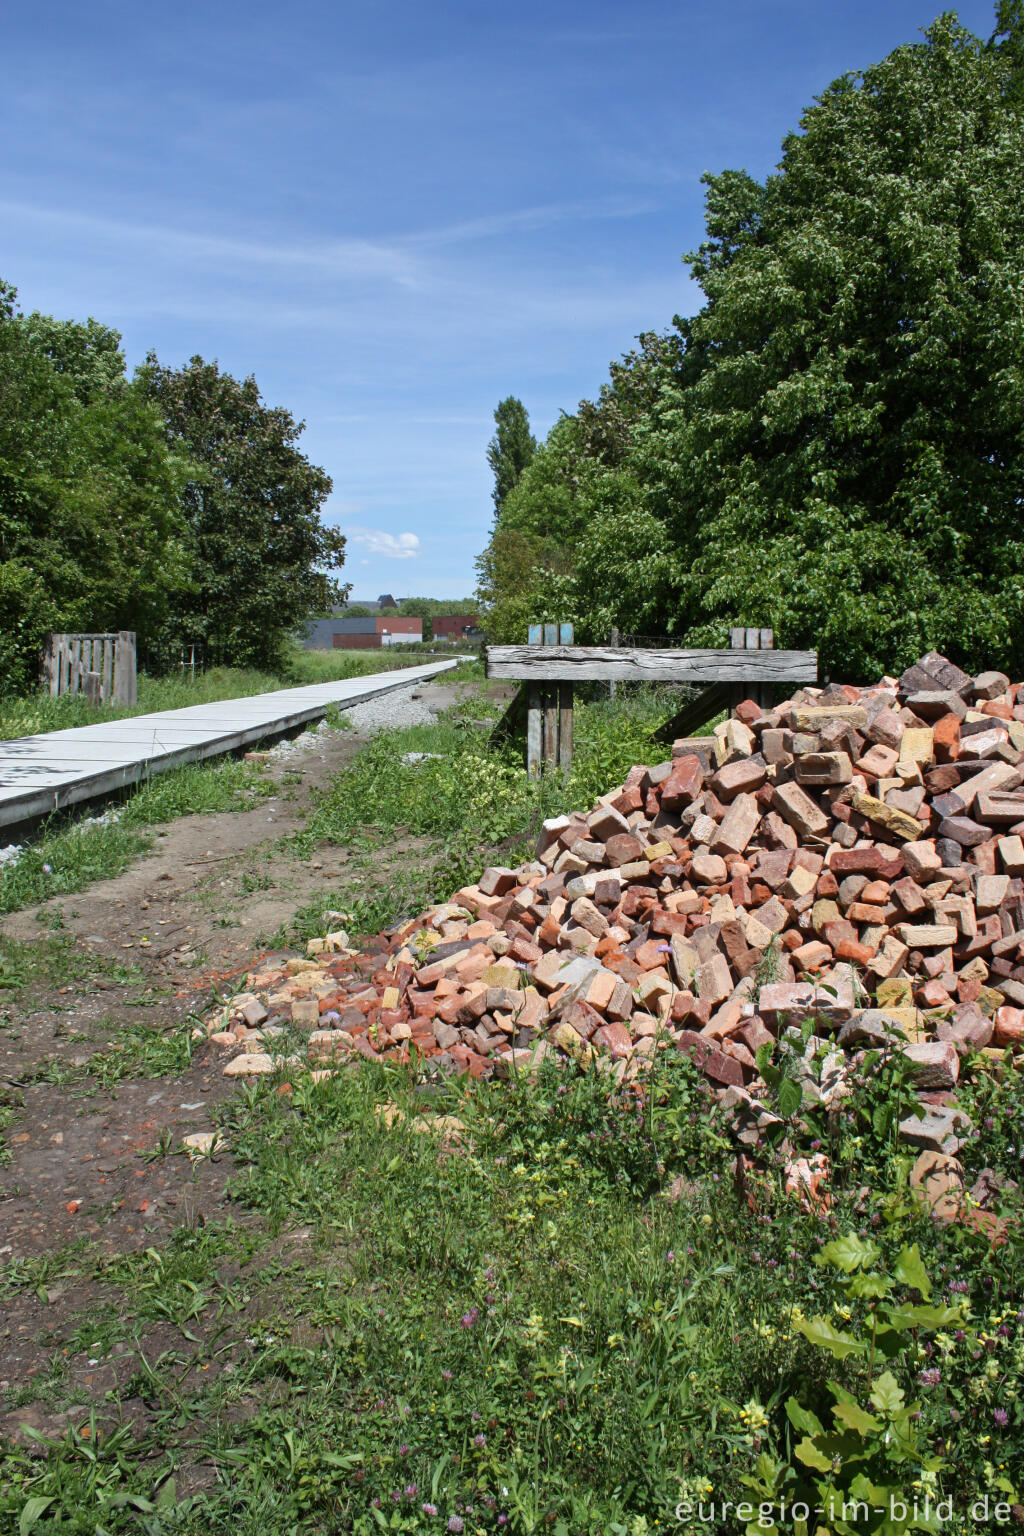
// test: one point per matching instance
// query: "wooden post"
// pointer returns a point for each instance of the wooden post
(108, 669)
(125, 676)
(549, 709)
(534, 718)
(613, 639)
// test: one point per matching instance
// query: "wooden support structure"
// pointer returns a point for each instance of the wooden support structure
(602, 663)
(548, 709)
(103, 667)
(549, 665)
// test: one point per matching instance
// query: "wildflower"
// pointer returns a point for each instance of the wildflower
(930, 1377)
(1001, 1417)
(471, 1318)
(429, 1509)
(446, 1375)
(455, 1525)
(47, 870)
(403, 1450)
(479, 1441)
(411, 1490)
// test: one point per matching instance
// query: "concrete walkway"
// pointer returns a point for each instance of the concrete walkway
(40, 774)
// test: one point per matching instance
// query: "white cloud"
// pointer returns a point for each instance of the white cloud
(400, 546)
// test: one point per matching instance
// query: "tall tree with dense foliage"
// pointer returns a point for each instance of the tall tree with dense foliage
(90, 531)
(510, 449)
(836, 446)
(260, 557)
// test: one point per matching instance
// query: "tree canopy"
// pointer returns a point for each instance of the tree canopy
(174, 503)
(510, 449)
(833, 445)
(259, 556)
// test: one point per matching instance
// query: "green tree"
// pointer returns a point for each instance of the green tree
(833, 445)
(260, 557)
(510, 449)
(89, 490)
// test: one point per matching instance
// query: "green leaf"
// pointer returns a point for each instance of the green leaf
(906, 1316)
(868, 1287)
(910, 1271)
(790, 1097)
(849, 1253)
(31, 1511)
(820, 1332)
(855, 1418)
(763, 1056)
(887, 1394)
(803, 1419)
(810, 1455)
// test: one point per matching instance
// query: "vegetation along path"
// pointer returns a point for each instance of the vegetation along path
(40, 774)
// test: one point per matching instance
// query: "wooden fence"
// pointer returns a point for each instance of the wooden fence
(102, 667)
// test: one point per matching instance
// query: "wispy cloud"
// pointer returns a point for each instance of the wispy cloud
(392, 546)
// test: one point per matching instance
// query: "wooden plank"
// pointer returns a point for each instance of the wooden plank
(565, 726)
(534, 743)
(534, 716)
(752, 641)
(42, 774)
(601, 663)
(510, 721)
(108, 667)
(697, 713)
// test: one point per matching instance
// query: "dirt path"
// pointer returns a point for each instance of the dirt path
(94, 1072)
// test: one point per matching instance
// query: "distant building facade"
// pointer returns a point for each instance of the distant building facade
(368, 634)
(456, 626)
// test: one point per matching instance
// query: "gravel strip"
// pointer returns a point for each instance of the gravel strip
(392, 711)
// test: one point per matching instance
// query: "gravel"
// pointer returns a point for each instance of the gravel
(405, 706)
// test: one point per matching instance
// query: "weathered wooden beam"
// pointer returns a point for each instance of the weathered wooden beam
(510, 721)
(698, 712)
(603, 663)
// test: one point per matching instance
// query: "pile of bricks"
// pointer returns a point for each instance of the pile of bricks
(852, 857)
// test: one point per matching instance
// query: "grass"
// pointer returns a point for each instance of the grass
(135, 1050)
(565, 1308)
(470, 804)
(38, 713)
(516, 1331)
(70, 857)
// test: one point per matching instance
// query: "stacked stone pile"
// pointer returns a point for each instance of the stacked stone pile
(853, 857)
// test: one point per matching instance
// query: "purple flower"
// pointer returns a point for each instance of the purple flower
(429, 1509)
(446, 1375)
(471, 1318)
(503, 1519)
(411, 1490)
(475, 1415)
(479, 1441)
(1001, 1417)
(931, 1377)
(455, 1525)
(331, 1016)
(403, 1450)
(670, 1257)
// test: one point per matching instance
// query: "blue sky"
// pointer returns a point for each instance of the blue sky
(395, 214)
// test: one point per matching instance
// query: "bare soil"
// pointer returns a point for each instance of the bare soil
(81, 1162)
